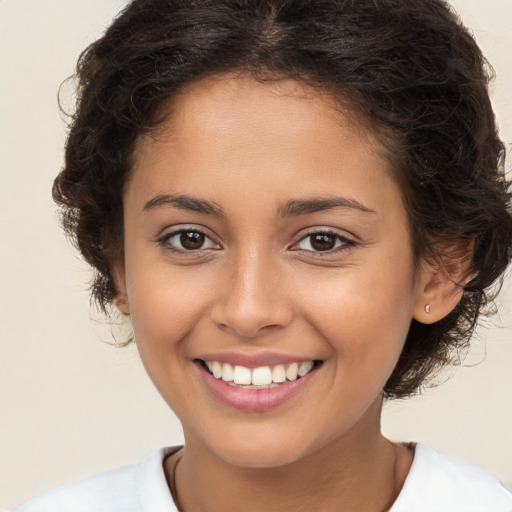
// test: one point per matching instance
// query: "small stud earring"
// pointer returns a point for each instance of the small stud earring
(427, 309)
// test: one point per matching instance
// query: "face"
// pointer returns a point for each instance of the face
(265, 236)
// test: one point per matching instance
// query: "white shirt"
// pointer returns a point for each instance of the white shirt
(435, 484)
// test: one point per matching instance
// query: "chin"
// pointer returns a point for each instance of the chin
(258, 456)
(261, 449)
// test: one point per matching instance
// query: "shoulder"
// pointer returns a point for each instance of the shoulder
(133, 488)
(112, 491)
(437, 483)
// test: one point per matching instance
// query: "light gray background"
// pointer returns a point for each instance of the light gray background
(72, 405)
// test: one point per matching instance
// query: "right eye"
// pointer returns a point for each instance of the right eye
(187, 240)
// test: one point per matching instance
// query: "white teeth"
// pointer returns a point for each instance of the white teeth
(291, 372)
(279, 373)
(305, 368)
(262, 376)
(242, 375)
(227, 372)
(216, 369)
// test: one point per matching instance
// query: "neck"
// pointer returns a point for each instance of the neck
(360, 471)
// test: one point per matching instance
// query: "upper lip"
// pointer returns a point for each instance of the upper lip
(253, 360)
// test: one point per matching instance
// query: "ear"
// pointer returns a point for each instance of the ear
(121, 299)
(441, 283)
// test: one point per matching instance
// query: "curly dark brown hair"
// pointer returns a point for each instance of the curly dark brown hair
(408, 67)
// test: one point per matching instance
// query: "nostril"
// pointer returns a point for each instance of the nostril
(244, 331)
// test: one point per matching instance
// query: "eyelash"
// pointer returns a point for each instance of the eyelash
(344, 243)
(164, 241)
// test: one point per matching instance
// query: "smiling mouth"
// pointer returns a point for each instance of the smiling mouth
(261, 377)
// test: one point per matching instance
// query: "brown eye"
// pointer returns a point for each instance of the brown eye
(322, 242)
(192, 240)
(188, 240)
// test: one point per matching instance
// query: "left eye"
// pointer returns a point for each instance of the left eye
(188, 240)
(322, 242)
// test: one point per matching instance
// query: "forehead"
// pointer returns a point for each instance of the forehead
(225, 100)
(236, 132)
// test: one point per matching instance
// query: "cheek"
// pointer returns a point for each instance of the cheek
(165, 305)
(364, 312)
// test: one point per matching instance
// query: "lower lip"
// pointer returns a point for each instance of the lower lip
(254, 399)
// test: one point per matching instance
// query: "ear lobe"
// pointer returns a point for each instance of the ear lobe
(121, 299)
(441, 285)
(438, 298)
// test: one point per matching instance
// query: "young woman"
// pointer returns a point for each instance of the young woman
(300, 206)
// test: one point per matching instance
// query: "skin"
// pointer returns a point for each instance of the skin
(257, 284)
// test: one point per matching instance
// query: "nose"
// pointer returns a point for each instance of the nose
(252, 300)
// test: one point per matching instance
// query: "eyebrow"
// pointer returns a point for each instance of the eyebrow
(297, 207)
(292, 208)
(185, 203)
